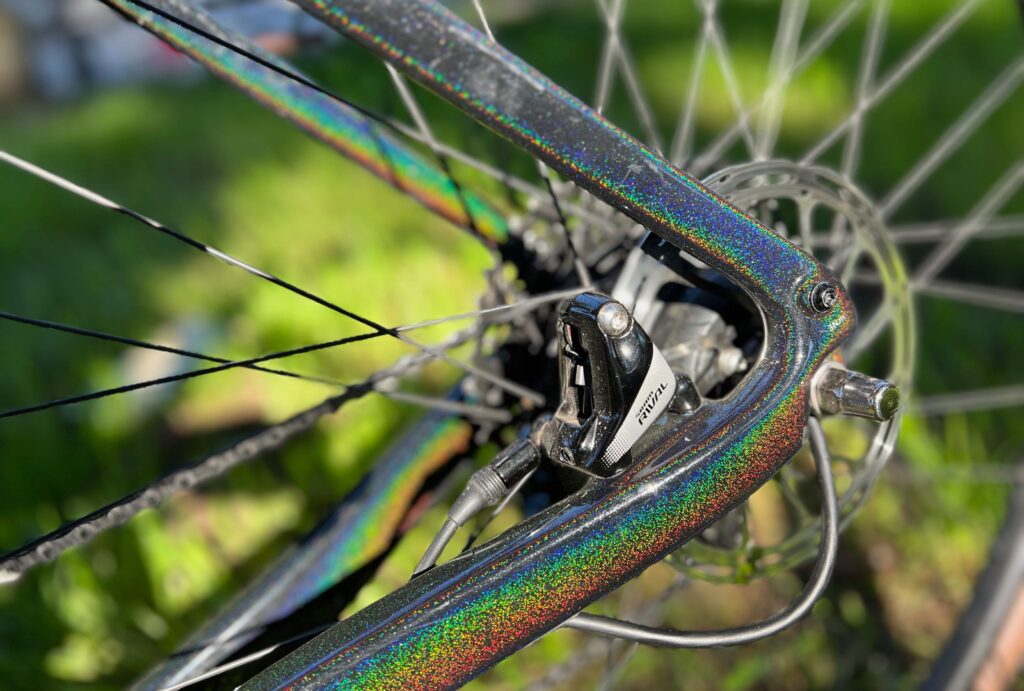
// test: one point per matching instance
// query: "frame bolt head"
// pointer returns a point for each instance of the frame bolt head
(613, 319)
(823, 297)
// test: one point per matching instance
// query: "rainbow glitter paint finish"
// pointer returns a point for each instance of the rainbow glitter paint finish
(337, 125)
(360, 529)
(461, 618)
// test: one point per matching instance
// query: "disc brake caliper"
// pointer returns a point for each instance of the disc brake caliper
(615, 384)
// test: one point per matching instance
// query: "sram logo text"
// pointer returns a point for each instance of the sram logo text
(648, 405)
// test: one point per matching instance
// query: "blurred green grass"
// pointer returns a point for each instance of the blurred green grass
(206, 160)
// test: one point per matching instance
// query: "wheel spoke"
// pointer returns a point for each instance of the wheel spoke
(805, 211)
(159, 227)
(614, 666)
(969, 401)
(582, 273)
(534, 193)
(983, 296)
(135, 343)
(247, 659)
(682, 140)
(504, 383)
(997, 92)
(867, 333)
(983, 211)
(620, 52)
(483, 19)
(784, 53)
(993, 297)
(847, 257)
(865, 81)
(931, 231)
(787, 486)
(416, 113)
(192, 374)
(960, 473)
(511, 311)
(478, 412)
(895, 76)
(612, 16)
(580, 267)
(815, 45)
(725, 67)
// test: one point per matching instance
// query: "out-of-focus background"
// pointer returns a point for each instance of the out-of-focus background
(97, 100)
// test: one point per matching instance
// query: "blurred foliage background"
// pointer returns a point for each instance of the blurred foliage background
(203, 158)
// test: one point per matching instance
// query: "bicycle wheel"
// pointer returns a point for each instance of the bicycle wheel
(731, 552)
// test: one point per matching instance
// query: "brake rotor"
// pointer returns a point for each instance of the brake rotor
(778, 527)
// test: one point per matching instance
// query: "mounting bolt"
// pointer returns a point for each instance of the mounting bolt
(613, 319)
(823, 297)
(686, 398)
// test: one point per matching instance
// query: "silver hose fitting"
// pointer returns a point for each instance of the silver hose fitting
(486, 487)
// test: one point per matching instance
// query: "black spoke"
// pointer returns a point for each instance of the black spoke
(111, 205)
(188, 240)
(581, 268)
(103, 336)
(509, 311)
(428, 138)
(103, 393)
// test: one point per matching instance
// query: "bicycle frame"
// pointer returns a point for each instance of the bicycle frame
(461, 618)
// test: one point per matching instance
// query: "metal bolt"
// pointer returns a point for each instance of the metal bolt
(613, 319)
(823, 297)
(731, 360)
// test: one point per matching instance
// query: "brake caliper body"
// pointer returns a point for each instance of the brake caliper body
(614, 383)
